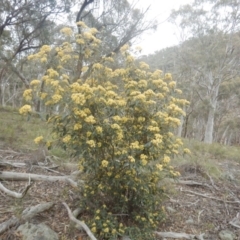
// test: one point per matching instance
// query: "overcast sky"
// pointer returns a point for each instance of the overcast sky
(165, 36)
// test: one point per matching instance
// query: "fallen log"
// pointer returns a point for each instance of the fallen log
(27, 214)
(16, 176)
(179, 235)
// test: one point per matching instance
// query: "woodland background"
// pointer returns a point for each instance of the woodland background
(205, 64)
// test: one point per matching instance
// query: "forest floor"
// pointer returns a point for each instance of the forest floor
(196, 203)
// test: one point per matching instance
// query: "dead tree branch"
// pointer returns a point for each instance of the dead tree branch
(27, 214)
(15, 194)
(14, 176)
(80, 224)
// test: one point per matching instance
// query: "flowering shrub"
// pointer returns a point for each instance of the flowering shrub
(118, 123)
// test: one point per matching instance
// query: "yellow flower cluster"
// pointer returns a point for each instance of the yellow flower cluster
(67, 31)
(38, 140)
(42, 54)
(56, 98)
(99, 129)
(144, 159)
(25, 109)
(35, 83)
(105, 163)
(52, 73)
(90, 119)
(27, 94)
(136, 145)
(78, 98)
(186, 151)
(91, 143)
(66, 139)
(143, 65)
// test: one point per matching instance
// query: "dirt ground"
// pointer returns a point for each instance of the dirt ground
(196, 203)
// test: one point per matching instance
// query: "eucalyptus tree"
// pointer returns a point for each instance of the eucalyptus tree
(210, 49)
(118, 22)
(25, 25)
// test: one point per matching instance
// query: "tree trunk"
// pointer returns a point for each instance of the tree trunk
(223, 138)
(180, 128)
(208, 137)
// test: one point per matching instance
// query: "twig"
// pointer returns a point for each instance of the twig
(15, 194)
(199, 214)
(192, 183)
(50, 170)
(212, 182)
(234, 224)
(236, 221)
(9, 164)
(205, 196)
(80, 224)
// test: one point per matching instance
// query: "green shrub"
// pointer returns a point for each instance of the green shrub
(118, 122)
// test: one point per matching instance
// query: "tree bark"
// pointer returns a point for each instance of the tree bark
(208, 136)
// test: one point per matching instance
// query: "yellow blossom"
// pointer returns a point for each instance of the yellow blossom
(168, 76)
(186, 150)
(97, 66)
(124, 48)
(84, 69)
(38, 140)
(35, 82)
(25, 109)
(43, 59)
(99, 129)
(166, 159)
(143, 65)
(91, 143)
(90, 119)
(45, 48)
(27, 94)
(78, 98)
(115, 126)
(142, 83)
(66, 139)
(52, 73)
(159, 166)
(141, 119)
(67, 31)
(80, 41)
(135, 145)
(104, 163)
(172, 84)
(56, 98)
(178, 91)
(89, 134)
(77, 126)
(106, 230)
(144, 162)
(131, 159)
(81, 24)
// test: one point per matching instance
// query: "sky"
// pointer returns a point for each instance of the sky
(166, 34)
